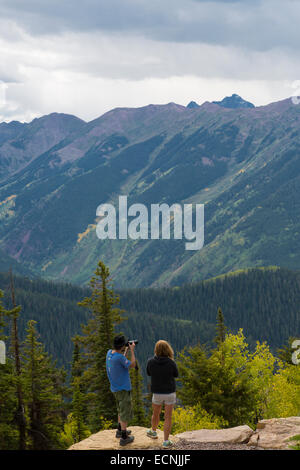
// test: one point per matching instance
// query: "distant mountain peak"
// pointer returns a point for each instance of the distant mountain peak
(234, 101)
(193, 105)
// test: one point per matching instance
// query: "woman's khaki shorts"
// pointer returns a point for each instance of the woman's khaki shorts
(164, 398)
(124, 406)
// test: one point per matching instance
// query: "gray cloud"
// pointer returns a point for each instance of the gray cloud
(255, 24)
(88, 57)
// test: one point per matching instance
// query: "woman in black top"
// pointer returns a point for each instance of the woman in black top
(162, 369)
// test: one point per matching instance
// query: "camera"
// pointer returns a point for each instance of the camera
(130, 341)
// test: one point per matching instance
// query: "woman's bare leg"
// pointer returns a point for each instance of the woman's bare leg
(155, 416)
(168, 421)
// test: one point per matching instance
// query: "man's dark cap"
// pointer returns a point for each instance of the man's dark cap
(119, 341)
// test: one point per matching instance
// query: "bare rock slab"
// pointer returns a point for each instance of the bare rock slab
(275, 433)
(106, 440)
(239, 434)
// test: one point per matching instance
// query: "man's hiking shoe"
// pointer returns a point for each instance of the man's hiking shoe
(119, 433)
(128, 440)
(152, 434)
(168, 443)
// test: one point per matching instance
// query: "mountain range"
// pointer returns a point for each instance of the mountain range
(241, 162)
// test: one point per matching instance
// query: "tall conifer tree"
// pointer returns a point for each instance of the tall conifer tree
(79, 408)
(43, 385)
(97, 338)
(9, 432)
(138, 405)
(20, 412)
(221, 328)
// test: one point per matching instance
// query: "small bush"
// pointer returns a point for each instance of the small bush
(69, 436)
(192, 418)
(105, 423)
(297, 442)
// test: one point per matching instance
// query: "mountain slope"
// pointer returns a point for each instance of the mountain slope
(10, 130)
(21, 143)
(243, 164)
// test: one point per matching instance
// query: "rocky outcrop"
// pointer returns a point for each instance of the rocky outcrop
(106, 440)
(275, 433)
(239, 434)
(270, 434)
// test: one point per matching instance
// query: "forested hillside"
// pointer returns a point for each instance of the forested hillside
(54, 307)
(264, 302)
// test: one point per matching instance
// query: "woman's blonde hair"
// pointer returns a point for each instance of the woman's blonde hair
(163, 348)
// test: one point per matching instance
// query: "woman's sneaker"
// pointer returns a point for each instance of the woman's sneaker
(128, 440)
(168, 443)
(152, 434)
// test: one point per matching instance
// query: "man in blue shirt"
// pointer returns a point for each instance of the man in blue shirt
(117, 367)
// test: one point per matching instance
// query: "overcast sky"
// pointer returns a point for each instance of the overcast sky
(86, 57)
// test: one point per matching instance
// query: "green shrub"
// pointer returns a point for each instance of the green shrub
(192, 418)
(297, 442)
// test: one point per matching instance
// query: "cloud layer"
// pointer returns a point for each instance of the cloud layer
(88, 57)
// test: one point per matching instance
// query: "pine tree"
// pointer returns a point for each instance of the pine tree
(138, 405)
(9, 433)
(43, 393)
(78, 417)
(97, 338)
(221, 328)
(76, 368)
(20, 412)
